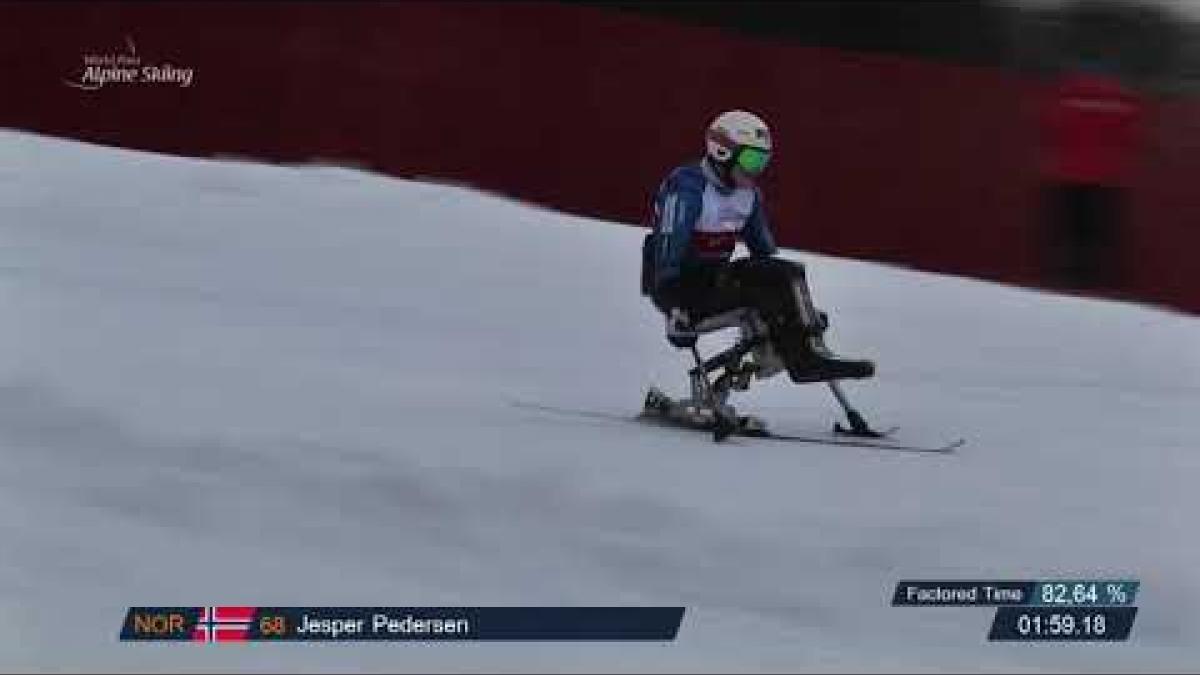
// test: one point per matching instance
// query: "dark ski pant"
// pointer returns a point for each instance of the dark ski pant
(777, 289)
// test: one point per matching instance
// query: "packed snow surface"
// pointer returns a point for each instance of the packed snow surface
(232, 383)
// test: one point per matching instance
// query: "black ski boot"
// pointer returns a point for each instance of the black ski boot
(809, 360)
(818, 364)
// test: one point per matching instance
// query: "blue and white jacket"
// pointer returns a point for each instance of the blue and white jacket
(698, 222)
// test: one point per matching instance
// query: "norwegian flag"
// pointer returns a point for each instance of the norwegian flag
(223, 624)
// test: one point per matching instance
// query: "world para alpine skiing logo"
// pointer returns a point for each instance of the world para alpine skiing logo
(126, 67)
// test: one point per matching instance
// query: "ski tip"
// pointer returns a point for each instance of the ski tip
(946, 449)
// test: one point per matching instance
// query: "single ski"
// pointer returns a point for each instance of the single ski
(883, 443)
(650, 418)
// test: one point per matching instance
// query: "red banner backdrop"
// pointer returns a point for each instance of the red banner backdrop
(584, 109)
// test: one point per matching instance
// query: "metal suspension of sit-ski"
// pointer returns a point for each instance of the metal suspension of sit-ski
(737, 375)
(724, 421)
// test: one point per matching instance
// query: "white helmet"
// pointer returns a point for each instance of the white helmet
(738, 138)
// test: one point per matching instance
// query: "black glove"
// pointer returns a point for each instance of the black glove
(680, 332)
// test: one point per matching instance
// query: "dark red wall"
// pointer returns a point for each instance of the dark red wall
(585, 109)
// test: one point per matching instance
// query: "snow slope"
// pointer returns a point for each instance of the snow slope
(229, 383)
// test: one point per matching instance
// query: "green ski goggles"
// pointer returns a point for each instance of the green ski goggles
(752, 160)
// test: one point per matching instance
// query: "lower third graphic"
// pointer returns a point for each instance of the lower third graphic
(306, 624)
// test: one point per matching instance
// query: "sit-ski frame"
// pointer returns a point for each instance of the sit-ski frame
(737, 375)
